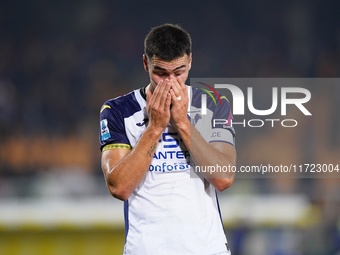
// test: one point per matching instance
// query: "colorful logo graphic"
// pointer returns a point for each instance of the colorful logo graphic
(204, 97)
(209, 93)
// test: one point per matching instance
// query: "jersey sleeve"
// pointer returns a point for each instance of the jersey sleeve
(222, 129)
(112, 133)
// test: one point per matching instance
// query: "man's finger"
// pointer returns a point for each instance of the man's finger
(148, 97)
(176, 87)
(173, 96)
(155, 93)
(167, 102)
(164, 94)
(159, 93)
(180, 82)
(183, 87)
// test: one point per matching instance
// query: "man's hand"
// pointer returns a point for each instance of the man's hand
(202, 153)
(179, 107)
(158, 106)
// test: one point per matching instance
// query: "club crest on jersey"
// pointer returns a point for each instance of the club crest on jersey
(104, 129)
(195, 119)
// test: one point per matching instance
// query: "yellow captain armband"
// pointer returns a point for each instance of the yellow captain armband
(116, 146)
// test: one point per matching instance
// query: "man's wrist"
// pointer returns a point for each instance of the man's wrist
(153, 133)
(184, 126)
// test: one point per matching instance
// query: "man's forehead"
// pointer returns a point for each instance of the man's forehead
(158, 62)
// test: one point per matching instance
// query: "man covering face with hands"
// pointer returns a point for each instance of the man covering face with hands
(150, 140)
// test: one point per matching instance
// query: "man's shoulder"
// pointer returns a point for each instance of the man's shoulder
(125, 99)
(127, 104)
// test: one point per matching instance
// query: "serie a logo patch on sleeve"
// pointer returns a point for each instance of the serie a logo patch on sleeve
(105, 133)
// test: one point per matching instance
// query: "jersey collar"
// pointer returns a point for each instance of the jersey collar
(143, 92)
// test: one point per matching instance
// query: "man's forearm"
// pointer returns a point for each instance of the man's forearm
(205, 154)
(128, 170)
(125, 175)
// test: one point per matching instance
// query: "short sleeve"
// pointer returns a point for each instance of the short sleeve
(112, 128)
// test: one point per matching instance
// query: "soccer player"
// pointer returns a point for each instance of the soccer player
(148, 141)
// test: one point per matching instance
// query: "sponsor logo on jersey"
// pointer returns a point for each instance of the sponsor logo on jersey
(172, 148)
(104, 129)
(142, 123)
(196, 119)
(165, 167)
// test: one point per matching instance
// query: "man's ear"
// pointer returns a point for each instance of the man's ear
(145, 62)
(190, 60)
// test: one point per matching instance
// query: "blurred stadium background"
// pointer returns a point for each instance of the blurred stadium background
(61, 60)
